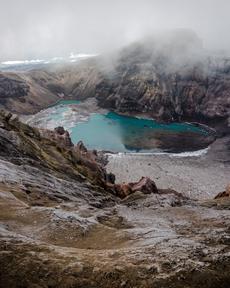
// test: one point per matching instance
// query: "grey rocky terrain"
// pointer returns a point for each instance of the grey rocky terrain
(64, 223)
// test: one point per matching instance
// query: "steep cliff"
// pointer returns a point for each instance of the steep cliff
(147, 81)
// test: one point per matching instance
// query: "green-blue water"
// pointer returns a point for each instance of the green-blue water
(117, 133)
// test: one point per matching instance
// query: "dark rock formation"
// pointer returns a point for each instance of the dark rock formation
(140, 83)
(226, 193)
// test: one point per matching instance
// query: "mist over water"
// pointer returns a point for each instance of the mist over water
(44, 29)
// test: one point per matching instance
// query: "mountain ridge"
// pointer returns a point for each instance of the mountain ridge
(136, 81)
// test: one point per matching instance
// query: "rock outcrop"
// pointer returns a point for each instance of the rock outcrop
(144, 185)
(59, 135)
(55, 151)
(224, 194)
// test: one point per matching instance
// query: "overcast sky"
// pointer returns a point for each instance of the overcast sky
(31, 29)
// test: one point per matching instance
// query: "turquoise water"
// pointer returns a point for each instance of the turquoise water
(118, 133)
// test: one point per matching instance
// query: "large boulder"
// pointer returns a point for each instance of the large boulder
(144, 185)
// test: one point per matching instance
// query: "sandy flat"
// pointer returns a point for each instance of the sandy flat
(198, 177)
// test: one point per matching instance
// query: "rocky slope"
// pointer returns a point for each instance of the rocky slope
(140, 83)
(20, 93)
(30, 91)
(62, 224)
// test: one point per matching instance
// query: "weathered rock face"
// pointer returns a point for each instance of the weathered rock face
(12, 87)
(29, 92)
(140, 83)
(51, 150)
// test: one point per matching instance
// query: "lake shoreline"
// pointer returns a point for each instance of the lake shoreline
(198, 177)
(205, 123)
(135, 134)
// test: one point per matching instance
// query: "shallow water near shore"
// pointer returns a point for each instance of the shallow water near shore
(117, 133)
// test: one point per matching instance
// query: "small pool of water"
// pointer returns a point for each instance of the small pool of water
(118, 133)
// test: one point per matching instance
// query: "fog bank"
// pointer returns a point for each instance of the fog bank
(31, 29)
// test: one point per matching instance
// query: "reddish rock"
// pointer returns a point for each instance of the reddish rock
(226, 193)
(122, 190)
(145, 185)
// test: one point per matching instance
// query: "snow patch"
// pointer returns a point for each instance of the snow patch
(22, 62)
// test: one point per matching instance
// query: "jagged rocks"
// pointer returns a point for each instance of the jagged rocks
(48, 149)
(55, 150)
(81, 148)
(59, 135)
(93, 165)
(144, 185)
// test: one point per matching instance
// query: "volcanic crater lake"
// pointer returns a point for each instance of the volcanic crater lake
(117, 133)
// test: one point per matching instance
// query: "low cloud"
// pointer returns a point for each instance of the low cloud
(31, 29)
